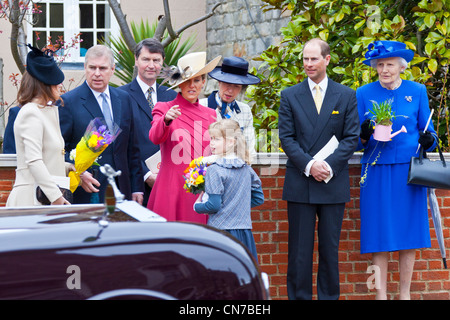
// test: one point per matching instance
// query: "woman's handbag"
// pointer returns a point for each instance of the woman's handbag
(42, 198)
(428, 173)
(63, 183)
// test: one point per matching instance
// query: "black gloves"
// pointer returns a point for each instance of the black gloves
(426, 139)
(366, 129)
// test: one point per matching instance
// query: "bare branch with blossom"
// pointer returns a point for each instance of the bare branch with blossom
(27, 9)
(61, 48)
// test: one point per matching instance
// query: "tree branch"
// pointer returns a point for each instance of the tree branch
(200, 19)
(160, 28)
(173, 35)
(122, 21)
(419, 43)
(16, 24)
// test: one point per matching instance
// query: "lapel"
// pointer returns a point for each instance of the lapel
(317, 122)
(139, 97)
(89, 102)
(212, 102)
(161, 92)
(116, 104)
(306, 102)
(330, 100)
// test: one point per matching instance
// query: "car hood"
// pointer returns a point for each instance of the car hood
(76, 226)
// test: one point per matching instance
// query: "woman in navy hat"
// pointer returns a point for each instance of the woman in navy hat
(233, 79)
(394, 215)
(38, 139)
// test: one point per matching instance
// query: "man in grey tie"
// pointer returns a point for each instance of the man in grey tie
(145, 91)
(95, 98)
(106, 109)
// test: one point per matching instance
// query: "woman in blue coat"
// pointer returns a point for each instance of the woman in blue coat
(394, 215)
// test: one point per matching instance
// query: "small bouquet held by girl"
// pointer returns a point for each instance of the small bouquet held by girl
(232, 186)
(96, 139)
(194, 175)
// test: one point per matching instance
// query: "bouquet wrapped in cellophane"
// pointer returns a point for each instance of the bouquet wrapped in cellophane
(194, 175)
(96, 139)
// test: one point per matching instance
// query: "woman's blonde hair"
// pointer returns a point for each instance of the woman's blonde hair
(230, 129)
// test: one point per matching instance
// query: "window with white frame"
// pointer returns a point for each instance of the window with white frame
(92, 20)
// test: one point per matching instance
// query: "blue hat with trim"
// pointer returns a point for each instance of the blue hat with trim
(387, 49)
(234, 70)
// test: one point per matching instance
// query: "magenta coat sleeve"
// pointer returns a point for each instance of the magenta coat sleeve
(159, 131)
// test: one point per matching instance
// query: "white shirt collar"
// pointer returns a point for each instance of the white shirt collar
(322, 84)
(100, 99)
(97, 94)
(144, 86)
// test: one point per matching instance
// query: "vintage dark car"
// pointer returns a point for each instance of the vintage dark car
(123, 251)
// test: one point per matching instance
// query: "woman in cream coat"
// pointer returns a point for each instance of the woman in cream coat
(39, 144)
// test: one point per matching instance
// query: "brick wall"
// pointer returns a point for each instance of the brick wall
(7, 176)
(270, 228)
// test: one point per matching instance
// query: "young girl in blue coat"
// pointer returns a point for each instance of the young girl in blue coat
(231, 185)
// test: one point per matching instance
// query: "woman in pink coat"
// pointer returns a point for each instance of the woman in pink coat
(180, 127)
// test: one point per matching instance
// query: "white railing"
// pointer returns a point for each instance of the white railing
(263, 159)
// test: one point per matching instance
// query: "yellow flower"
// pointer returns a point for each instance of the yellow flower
(84, 159)
(93, 141)
(199, 179)
(196, 162)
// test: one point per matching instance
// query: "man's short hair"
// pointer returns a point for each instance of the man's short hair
(324, 46)
(152, 45)
(100, 50)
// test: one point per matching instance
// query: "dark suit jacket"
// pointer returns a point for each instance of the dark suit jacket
(144, 123)
(80, 107)
(303, 133)
(144, 115)
(9, 144)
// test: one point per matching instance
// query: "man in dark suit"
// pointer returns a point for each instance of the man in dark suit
(95, 98)
(316, 187)
(149, 57)
(9, 144)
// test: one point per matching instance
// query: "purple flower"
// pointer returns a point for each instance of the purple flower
(102, 129)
